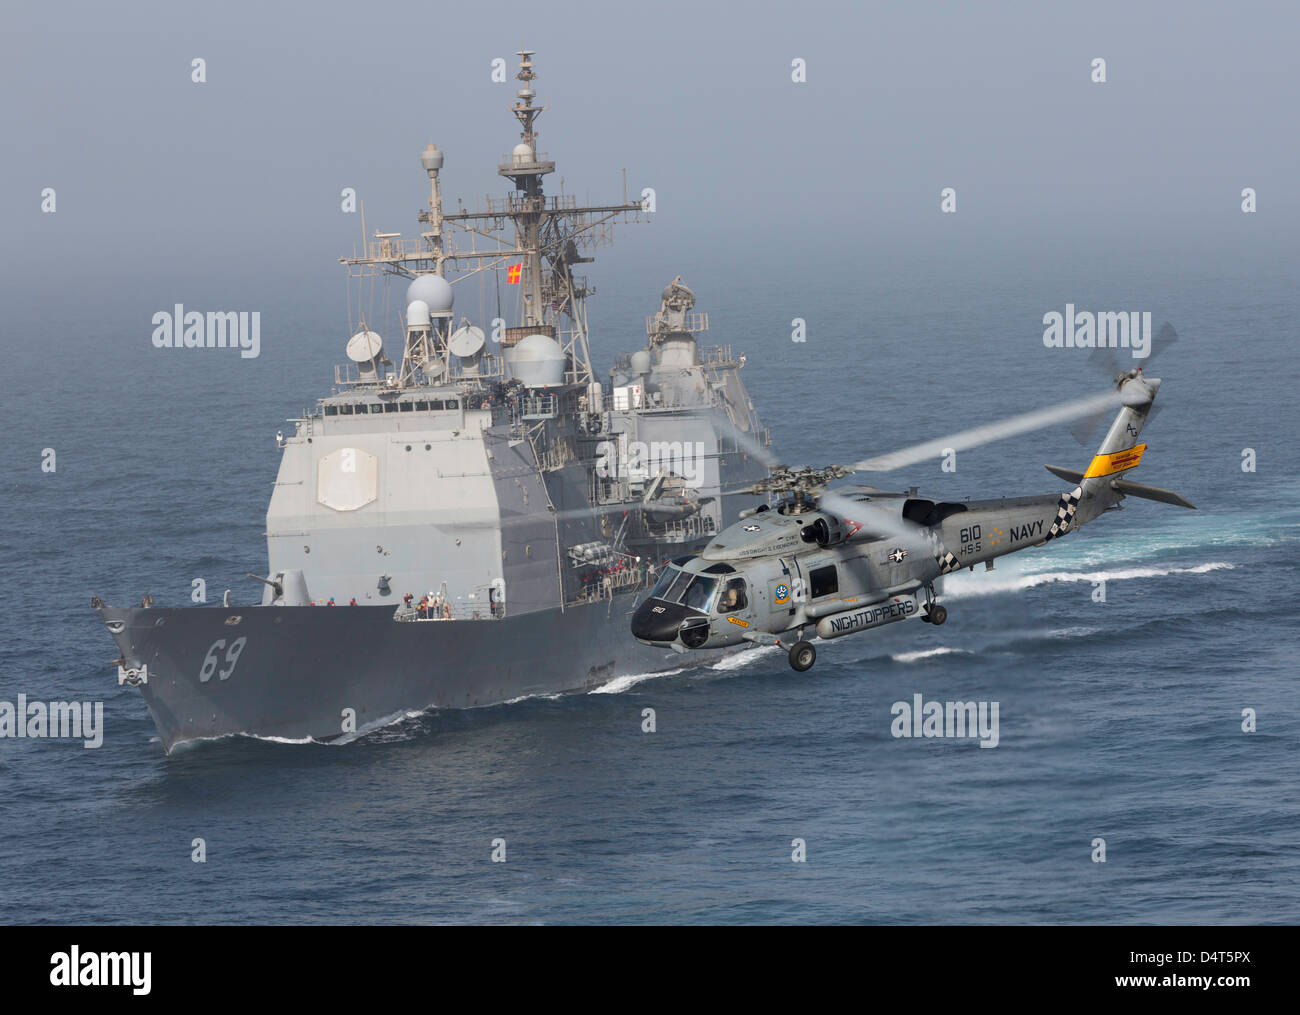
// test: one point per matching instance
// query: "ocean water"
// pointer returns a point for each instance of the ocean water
(1119, 720)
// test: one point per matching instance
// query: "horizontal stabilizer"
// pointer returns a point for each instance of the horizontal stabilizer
(1073, 475)
(1128, 489)
(1151, 493)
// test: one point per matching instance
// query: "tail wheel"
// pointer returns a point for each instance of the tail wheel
(802, 656)
(938, 614)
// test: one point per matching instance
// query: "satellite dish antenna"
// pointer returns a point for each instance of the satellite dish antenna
(467, 341)
(466, 344)
(364, 348)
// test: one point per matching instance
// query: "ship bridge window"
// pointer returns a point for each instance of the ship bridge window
(733, 597)
(390, 407)
(406, 406)
(376, 407)
(437, 405)
(345, 410)
(453, 404)
(331, 410)
(823, 581)
(421, 406)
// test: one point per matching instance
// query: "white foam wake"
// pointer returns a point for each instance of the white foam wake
(744, 658)
(968, 585)
(928, 653)
(620, 684)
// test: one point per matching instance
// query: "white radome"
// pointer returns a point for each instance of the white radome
(417, 314)
(432, 290)
(538, 361)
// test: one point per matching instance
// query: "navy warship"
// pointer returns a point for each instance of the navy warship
(476, 522)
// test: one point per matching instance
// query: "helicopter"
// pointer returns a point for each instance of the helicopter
(853, 559)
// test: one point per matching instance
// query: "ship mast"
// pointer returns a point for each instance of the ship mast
(549, 233)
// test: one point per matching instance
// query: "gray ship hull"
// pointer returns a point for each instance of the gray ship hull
(301, 668)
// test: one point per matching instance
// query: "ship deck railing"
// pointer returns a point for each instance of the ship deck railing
(607, 585)
(692, 322)
(534, 407)
(457, 611)
(682, 530)
(517, 202)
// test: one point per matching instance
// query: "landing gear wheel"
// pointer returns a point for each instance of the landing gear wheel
(802, 656)
(938, 615)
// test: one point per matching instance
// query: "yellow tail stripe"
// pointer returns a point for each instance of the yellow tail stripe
(1119, 461)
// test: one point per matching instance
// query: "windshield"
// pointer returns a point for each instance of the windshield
(677, 586)
(665, 579)
(699, 594)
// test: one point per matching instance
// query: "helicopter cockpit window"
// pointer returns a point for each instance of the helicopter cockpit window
(693, 590)
(699, 594)
(660, 591)
(733, 597)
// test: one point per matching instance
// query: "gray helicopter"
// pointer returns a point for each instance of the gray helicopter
(856, 558)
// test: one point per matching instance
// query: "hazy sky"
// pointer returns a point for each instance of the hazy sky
(195, 191)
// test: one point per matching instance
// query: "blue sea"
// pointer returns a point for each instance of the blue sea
(1120, 720)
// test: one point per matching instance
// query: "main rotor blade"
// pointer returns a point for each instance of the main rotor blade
(1165, 337)
(1087, 430)
(752, 445)
(990, 432)
(1107, 359)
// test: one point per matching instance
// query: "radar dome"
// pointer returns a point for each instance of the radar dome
(417, 314)
(640, 362)
(537, 361)
(432, 290)
(523, 152)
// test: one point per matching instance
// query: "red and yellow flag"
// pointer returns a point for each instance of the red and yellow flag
(514, 273)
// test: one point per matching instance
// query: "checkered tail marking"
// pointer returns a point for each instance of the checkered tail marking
(1065, 509)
